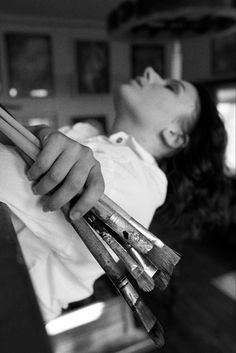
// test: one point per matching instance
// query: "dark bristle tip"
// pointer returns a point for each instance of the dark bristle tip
(144, 315)
(156, 334)
(173, 255)
(161, 280)
(164, 258)
(145, 282)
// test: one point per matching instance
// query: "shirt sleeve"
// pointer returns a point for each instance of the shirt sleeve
(61, 267)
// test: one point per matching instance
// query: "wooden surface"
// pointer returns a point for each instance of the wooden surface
(114, 331)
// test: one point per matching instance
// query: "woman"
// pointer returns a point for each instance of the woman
(156, 120)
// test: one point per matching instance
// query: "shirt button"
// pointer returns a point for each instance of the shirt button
(119, 140)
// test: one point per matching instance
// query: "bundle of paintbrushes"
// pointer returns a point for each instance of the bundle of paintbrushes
(146, 257)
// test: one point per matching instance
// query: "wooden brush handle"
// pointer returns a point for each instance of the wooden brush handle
(107, 203)
(118, 249)
(123, 228)
(20, 128)
(19, 140)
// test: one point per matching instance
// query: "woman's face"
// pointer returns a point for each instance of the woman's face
(149, 99)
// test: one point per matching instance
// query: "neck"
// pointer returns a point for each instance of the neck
(147, 139)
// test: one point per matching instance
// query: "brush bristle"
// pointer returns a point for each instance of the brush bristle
(145, 282)
(164, 258)
(156, 334)
(161, 280)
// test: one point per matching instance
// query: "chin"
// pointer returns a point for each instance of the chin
(125, 100)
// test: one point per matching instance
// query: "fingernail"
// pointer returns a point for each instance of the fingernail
(34, 190)
(29, 177)
(75, 215)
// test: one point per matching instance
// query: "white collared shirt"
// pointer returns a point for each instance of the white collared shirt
(61, 268)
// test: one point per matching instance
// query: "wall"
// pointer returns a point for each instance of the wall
(66, 102)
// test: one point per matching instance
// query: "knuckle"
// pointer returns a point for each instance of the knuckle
(40, 166)
(74, 147)
(100, 187)
(98, 167)
(74, 185)
(56, 136)
(54, 176)
(88, 152)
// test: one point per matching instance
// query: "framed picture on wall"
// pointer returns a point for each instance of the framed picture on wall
(1, 79)
(29, 65)
(144, 55)
(1, 84)
(92, 62)
(223, 55)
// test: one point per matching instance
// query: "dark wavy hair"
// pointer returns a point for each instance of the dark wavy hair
(196, 174)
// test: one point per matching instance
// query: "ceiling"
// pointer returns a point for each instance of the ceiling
(91, 10)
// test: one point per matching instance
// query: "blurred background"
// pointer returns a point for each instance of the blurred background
(59, 63)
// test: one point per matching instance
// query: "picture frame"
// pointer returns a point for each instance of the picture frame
(144, 55)
(1, 78)
(223, 55)
(93, 67)
(29, 65)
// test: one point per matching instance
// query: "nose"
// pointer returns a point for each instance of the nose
(152, 76)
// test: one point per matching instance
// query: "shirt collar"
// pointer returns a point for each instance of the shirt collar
(123, 139)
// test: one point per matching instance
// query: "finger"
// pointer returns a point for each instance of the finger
(36, 128)
(55, 175)
(72, 185)
(91, 194)
(43, 132)
(52, 149)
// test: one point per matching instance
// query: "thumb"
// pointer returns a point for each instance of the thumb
(42, 132)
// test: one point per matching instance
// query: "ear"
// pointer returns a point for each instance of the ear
(174, 138)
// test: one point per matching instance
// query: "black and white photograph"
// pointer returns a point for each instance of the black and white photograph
(117, 176)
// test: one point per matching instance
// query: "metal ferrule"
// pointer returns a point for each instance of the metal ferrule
(151, 237)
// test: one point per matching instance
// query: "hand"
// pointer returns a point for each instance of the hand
(64, 168)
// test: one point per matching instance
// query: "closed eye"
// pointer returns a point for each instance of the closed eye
(170, 87)
(173, 86)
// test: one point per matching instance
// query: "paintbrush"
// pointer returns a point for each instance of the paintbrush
(160, 279)
(159, 254)
(121, 282)
(144, 281)
(98, 250)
